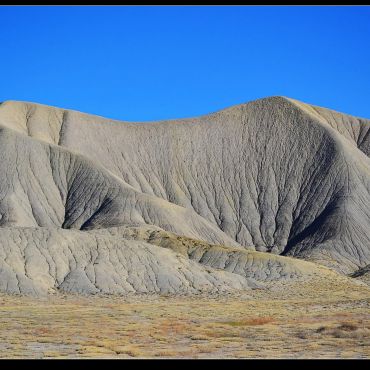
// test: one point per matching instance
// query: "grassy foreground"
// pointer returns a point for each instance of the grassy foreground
(323, 322)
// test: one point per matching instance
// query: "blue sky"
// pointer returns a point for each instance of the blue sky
(148, 63)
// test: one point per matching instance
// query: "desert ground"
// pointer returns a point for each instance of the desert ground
(327, 321)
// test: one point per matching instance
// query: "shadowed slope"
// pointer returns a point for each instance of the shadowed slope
(47, 186)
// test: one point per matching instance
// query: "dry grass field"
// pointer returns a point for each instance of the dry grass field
(331, 321)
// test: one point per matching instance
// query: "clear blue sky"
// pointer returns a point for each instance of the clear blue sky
(148, 63)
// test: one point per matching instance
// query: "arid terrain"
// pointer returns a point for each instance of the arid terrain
(241, 233)
(327, 322)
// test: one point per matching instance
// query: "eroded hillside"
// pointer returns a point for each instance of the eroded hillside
(93, 205)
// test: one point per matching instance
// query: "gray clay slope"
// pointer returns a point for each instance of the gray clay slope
(274, 175)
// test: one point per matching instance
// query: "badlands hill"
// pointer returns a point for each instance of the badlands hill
(233, 200)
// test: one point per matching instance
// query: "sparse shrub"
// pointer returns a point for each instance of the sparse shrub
(165, 353)
(198, 337)
(321, 329)
(302, 335)
(262, 320)
(344, 330)
(128, 350)
(347, 327)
